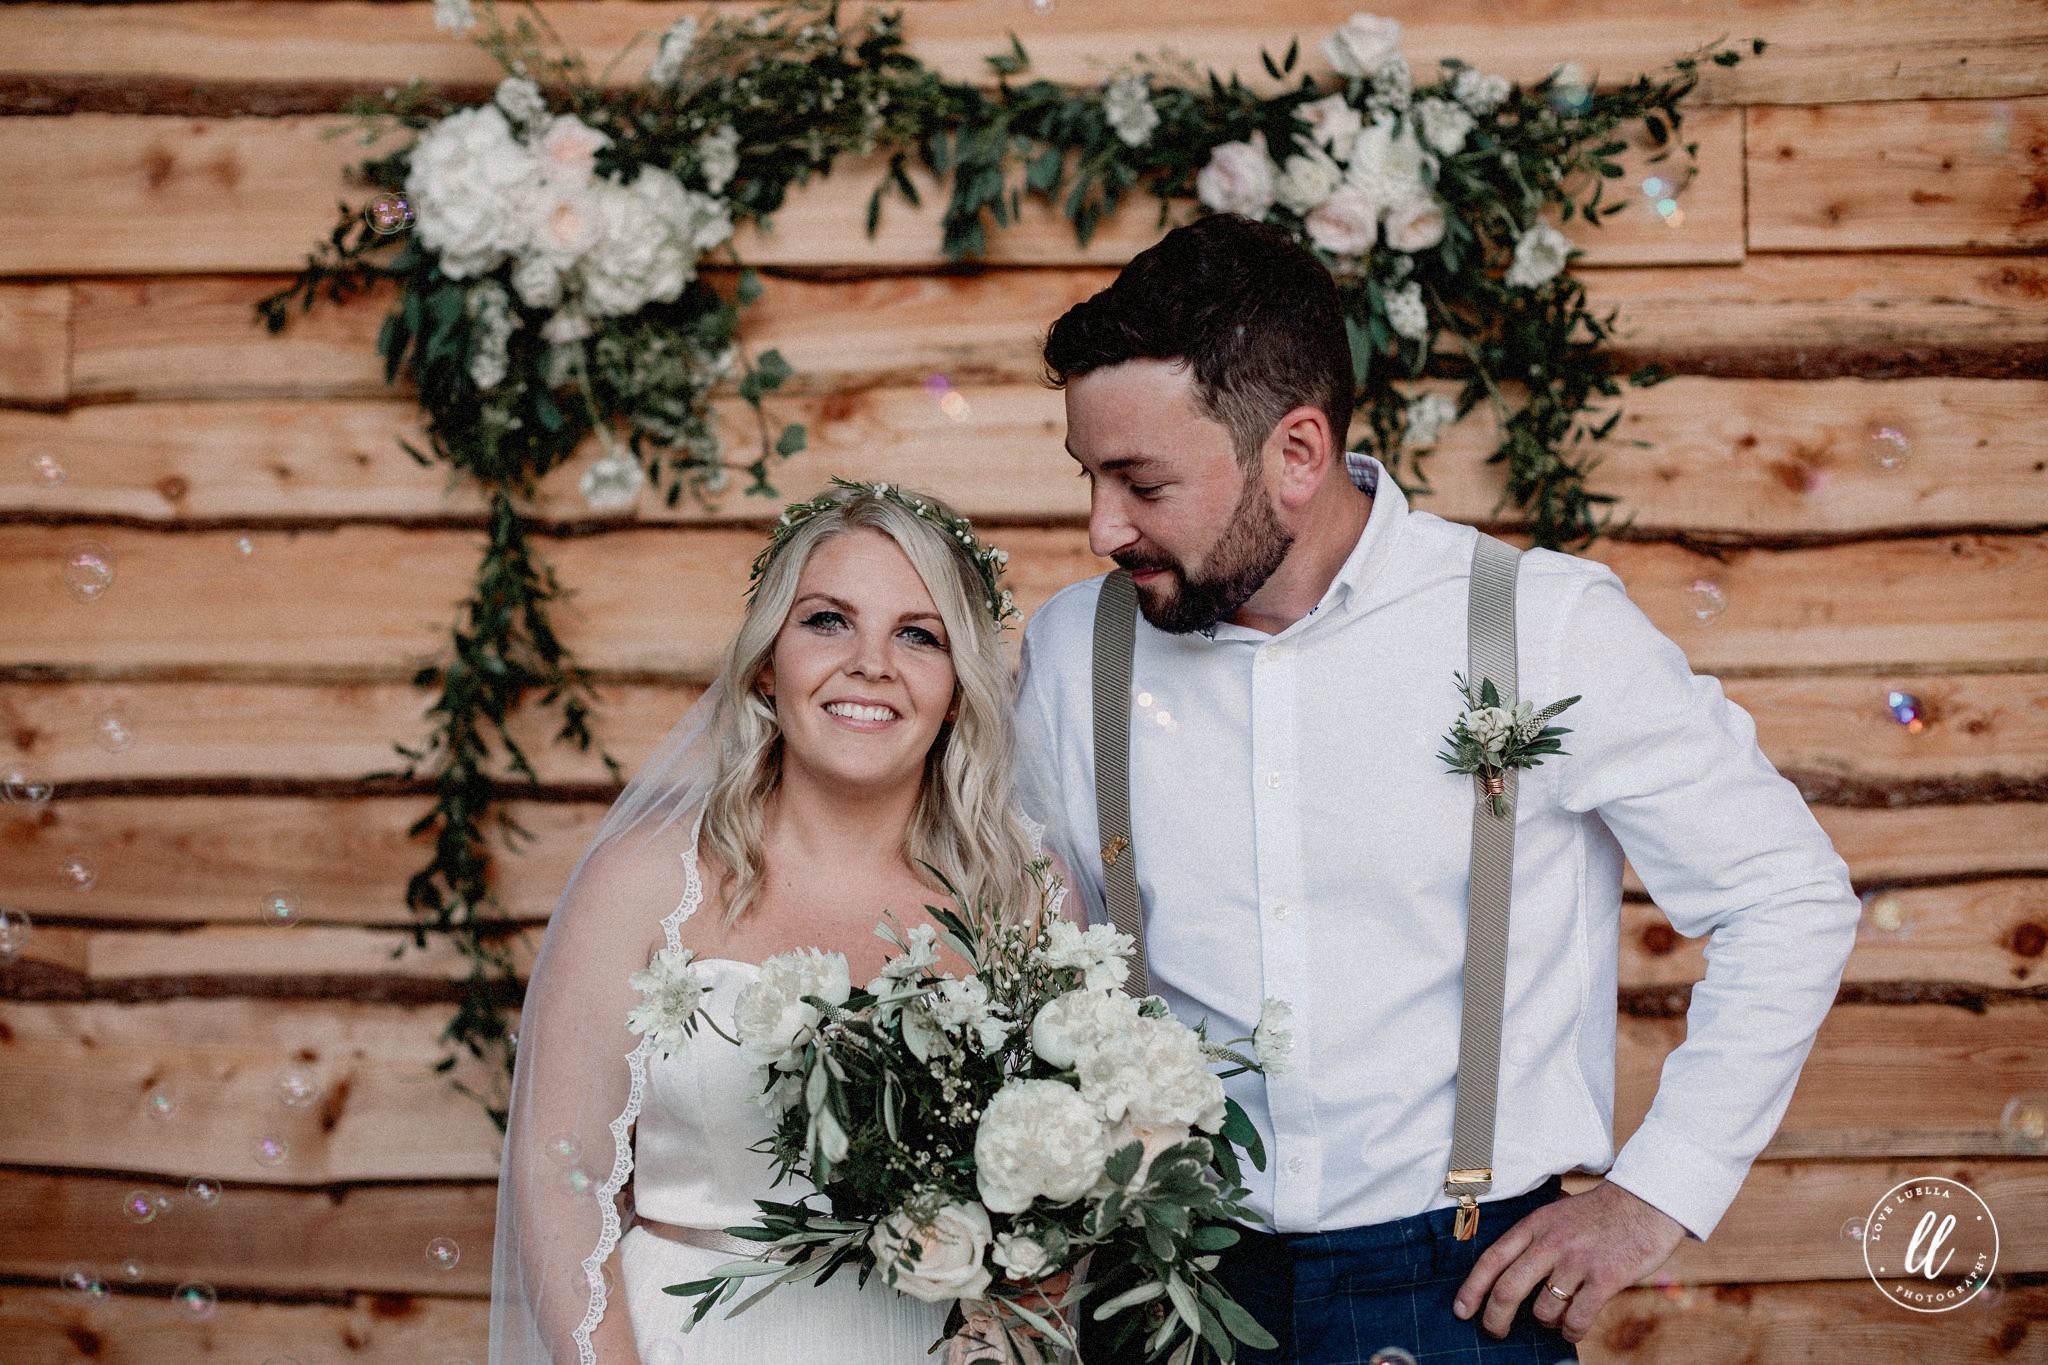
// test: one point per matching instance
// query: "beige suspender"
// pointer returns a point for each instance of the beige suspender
(1491, 655)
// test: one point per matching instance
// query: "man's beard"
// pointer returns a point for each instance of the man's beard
(1251, 547)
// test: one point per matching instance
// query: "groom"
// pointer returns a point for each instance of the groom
(1301, 851)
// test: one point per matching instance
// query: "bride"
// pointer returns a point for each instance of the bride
(859, 728)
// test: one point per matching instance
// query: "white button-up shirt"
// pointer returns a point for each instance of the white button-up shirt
(1297, 838)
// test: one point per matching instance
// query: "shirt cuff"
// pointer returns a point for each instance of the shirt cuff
(1677, 1176)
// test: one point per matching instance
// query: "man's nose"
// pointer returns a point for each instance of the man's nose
(1109, 525)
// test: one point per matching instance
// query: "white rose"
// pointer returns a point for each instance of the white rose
(1152, 1071)
(1363, 46)
(1021, 1257)
(565, 225)
(1347, 224)
(1479, 92)
(522, 102)
(950, 1249)
(1077, 1022)
(1390, 168)
(568, 150)
(1408, 314)
(1307, 181)
(675, 47)
(1540, 253)
(1127, 104)
(1038, 1140)
(1333, 123)
(1445, 126)
(1427, 418)
(1416, 223)
(1238, 179)
(469, 184)
(718, 157)
(772, 1019)
(612, 483)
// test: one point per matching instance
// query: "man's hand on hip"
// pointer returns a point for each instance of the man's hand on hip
(1590, 1245)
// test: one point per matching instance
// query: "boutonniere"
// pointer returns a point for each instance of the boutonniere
(1491, 737)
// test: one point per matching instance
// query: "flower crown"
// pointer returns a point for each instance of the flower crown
(988, 561)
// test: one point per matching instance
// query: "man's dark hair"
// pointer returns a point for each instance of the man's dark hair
(1254, 316)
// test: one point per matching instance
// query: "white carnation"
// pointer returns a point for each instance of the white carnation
(718, 157)
(773, 1021)
(1152, 1072)
(454, 16)
(469, 185)
(921, 951)
(1238, 179)
(1416, 223)
(1389, 167)
(1540, 253)
(1407, 314)
(522, 102)
(1308, 180)
(1127, 104)
(1075, 1023)
(1333, 123)
(950, 1248)
(1101, 953)
(674, 50)
(671, 989)
(1347, 224)
(1428, 415)
(1479, 92)
(1445, 125)
(1271, 1043)
(1364, 46)
(1038, 1140)
(612, 483)
(964, 1006)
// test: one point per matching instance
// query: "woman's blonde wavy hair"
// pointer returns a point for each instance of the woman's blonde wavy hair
(964, 824)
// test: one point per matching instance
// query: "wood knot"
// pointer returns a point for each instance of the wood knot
(2028, 939)
(173, 487)
(1659, 939)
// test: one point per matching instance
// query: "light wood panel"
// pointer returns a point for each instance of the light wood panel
(1833, 731)
(1963, 175)
(194, 338)
(124, 194)
(197, 601)
(381, 1113)
(1869, 49)
(1737, 457)
(255, 957)
(35, 324)
(50, 1327)
(1980, 933)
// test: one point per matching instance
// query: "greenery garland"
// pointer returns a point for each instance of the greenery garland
(548, 292)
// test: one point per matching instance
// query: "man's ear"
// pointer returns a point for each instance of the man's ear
(1300, 450)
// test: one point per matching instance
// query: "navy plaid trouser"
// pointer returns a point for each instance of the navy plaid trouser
(1334, 1298)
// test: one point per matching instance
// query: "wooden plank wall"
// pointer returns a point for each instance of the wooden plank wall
(1859, 274)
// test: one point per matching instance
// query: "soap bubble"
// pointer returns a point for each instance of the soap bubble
(142, 1206)
(297, 1087)
(88, 571)
(131, 1271)
(79, 872)
(2024, 1124)
(204, 1190)
(1885, 912)
(15, 927)
(161, 1104)
(24, 784)
(45, 469)
(271, 1151)
(81, 1280)
(1390, 1355)
(245, 545)
(1852, 1231)
(281, 908)
(388, 214)
(664, 1352)
(1889, 447)
(954, 405)
(113, 731)
(1707, 600)
(195, 1300)
(1989, 1291)
(1041, 8)
(443, 1253)
(1571, 90)
(578, 1179)
(1907, 711)
(565, 1148)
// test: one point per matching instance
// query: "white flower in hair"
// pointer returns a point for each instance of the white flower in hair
(671, 991)
(1127, 104)
(1540, 253)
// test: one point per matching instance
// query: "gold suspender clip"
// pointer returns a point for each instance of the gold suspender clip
(1113, 850)
(1466, 1223)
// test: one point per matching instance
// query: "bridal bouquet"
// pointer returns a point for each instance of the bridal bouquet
(978, 1138)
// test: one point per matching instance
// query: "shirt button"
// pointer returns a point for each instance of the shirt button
(1273, 780)
(1280, 912)
(1294, 1165)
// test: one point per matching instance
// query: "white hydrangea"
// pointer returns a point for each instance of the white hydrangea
(1445, 125)
(612, 483)
(1152, 1072)
(1540, 253)
(1347, 224)
(649, 235)
(1364, 46)
(772, 1019)
(454, 16)
(1479, 92)
(1038, 1140)
(1390, 167)
(1238, 179)
(674, 50)
(1407, 314)
(1127, 104)
(718, 157)
(1333, 123)
(1069, 1025)
(671, 989)
(1271, 1043)
(1101, 953)
(470, 185)
(1416, 223)
(522, 102)
(493, 321)
(1308, 180)
(1428, 415)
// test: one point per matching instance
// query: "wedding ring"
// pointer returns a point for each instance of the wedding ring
(1555, 1290)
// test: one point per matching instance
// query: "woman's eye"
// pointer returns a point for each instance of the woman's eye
(824, 620)
(918, 635)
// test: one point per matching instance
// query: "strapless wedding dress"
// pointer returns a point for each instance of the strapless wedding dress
(693, 1167)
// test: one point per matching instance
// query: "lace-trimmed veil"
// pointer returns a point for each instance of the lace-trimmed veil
(576, 1085)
